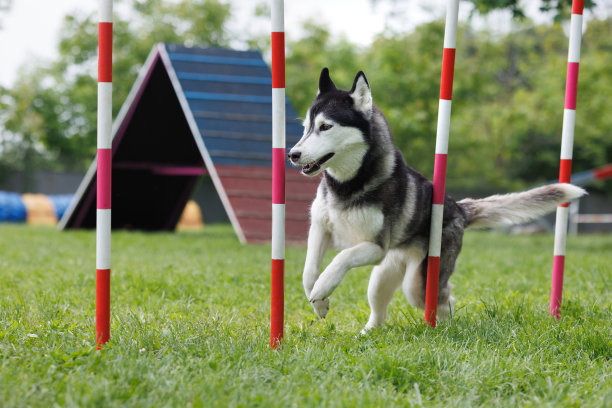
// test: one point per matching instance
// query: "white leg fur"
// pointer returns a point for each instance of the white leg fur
(446, 310)
(412, 287)
(318, 241)
(365, 253)
(413, 281)
(384, 281)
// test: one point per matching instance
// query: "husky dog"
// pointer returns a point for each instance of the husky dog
(377, 209)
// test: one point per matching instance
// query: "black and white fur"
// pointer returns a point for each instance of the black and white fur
(377, 209)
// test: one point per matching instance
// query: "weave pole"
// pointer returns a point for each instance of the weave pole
(277, 308)
(567, 146)
(439, 179)
(104, 159)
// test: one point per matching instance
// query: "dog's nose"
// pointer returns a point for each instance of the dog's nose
(294, 156)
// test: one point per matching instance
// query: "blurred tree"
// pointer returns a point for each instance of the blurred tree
(561, 8)
(515, 135)
(507, 97)
(63, 94)
(307, 56)
(404, 71)
(21, 144)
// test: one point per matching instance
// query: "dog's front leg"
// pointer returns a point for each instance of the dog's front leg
(365, 253)
(318, 241)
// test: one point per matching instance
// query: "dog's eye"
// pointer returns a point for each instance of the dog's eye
(325, 127)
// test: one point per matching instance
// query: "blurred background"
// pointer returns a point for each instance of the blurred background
(507, 98)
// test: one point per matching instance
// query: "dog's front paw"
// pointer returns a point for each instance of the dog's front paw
(321, 307)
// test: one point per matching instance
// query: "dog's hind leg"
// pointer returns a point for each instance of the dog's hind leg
(415, 281)
(452, 237)
(384, 281)
(413, 284)
(414, 291)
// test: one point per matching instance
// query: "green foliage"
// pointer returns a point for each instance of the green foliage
(404, 71)
(508, 97)
(24, 126)
(307, 56)
(190, 327)
(486, 6)
(63, 95)
(561, 9)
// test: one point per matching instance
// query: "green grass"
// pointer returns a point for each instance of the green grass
(190, 328)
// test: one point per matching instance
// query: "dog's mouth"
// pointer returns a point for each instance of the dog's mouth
(316, 165)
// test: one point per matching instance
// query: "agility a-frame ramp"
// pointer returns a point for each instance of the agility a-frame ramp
(193, 112)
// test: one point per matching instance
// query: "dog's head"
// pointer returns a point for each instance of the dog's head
(336, 129)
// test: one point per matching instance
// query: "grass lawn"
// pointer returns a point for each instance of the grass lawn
(190, 327)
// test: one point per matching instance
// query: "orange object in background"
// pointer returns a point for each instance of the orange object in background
(191, 219)
(40, 210)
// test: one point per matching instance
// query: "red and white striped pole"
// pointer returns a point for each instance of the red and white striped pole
(278, 173)
(103, 211)
(439, 179)
(567, 146)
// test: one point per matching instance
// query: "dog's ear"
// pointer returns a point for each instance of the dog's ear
(362, 95)
(325, 82)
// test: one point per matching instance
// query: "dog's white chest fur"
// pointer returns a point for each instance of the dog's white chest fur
(350, 227)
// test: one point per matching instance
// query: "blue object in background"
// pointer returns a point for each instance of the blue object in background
(60, 203)
(11, 207)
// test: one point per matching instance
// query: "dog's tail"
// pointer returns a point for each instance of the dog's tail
(517, 208)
